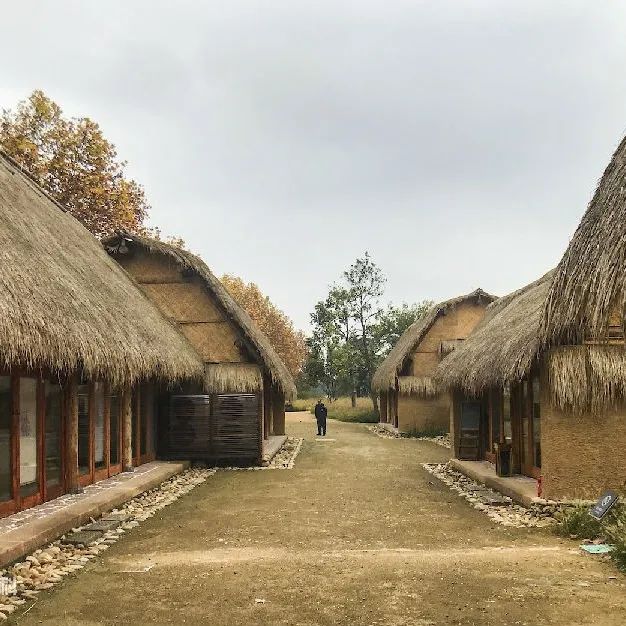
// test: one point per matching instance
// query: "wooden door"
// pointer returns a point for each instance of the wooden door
(470, 430)
(529, 429)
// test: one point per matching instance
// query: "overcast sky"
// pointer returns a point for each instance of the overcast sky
(458, 142)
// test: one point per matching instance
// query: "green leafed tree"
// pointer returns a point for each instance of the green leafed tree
(353, 332)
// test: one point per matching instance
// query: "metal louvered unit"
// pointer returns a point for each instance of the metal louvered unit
(236, 432)
(220, 429)
(189, 428)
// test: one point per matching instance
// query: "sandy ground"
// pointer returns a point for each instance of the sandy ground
(358, 533)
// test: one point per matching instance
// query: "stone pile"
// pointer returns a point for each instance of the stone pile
(23, 581)
(499, 508)
(387, 433)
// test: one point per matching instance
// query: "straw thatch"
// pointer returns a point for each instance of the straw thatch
(232, 377)
(503, 346)
(65, 305)
(590, 281)
(190, 262)
(385, 376)
(423, 386)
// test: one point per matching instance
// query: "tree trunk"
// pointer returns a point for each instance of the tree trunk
(374, 397)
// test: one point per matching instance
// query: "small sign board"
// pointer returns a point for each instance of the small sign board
(606, 502)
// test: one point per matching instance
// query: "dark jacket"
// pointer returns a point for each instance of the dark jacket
(320, 412)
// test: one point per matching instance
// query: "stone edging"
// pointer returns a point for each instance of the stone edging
(499, 508)
(386, 433)
(284, 459)
(43, 569)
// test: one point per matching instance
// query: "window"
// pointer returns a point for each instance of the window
(114, 421)
(496, 416)
(98, 390)
(53, 434)
(84, 439)
(506, 414)
(536, 417)
(29, 474)
(6, 410)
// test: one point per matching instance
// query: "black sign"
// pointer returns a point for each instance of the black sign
(604, 504)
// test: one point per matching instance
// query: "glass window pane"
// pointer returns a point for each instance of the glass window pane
(114, 410)
(6, 406)
(134, 424)
(29, 479)
(495, 418)
(145, 417)
(84, 439)
(99, 425)
(525, 423)
(537, 421)
(506, 414)
(53, 421)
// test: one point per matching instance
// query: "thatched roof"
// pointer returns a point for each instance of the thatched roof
(590, 281)
(503, 347)
(233, 377)
(385, 376)
(190, 262)
(65, 305)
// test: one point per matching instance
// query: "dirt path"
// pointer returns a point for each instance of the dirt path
(356, 534)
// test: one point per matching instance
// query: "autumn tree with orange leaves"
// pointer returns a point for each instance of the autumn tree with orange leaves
(288, 342)
(73, 161)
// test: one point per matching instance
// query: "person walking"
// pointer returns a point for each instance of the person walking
(321, 413)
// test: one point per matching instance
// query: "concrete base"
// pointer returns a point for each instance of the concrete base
(271, 446)
(24, 532)
(520, 489)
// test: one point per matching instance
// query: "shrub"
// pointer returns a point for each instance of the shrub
(427, 431)
(615, 531)
(576, 522)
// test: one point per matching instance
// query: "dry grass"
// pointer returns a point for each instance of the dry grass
(65, 305)
(423, 386)
(232, 377)
(341, 409)
(590, 283)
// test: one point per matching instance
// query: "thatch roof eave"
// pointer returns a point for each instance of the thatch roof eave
(385, 376)
(66, 306)
(271, 362)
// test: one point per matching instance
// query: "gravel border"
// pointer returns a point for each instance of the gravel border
(386, 433)
(499, 508)
(284, 459)
(46, 567)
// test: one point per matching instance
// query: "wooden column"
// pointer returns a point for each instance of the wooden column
(127, 429)
(71, 436)
(278, 411)
(267, 407)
